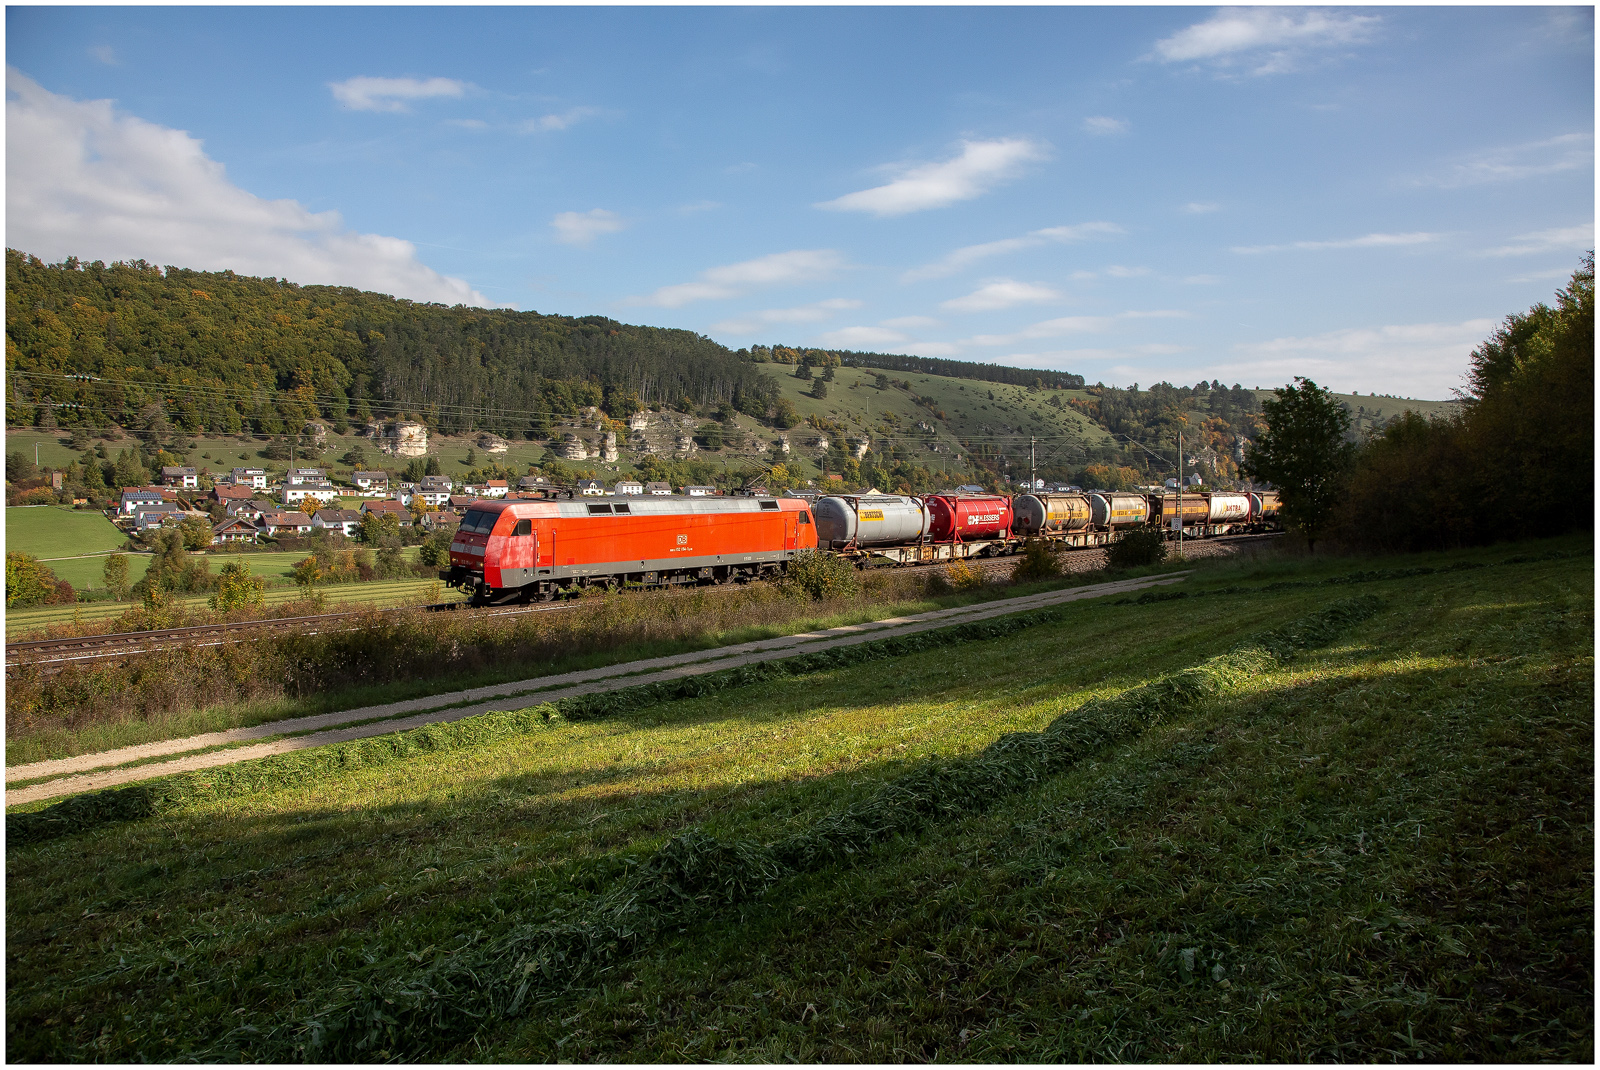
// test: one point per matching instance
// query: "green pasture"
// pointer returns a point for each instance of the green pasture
(48, 531)
(1378, 850)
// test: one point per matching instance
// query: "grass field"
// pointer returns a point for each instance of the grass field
(48, 531)
(25, 622)
(1379, 850)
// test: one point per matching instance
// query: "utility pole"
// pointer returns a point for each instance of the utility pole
(1179, 521)
(1033, 481)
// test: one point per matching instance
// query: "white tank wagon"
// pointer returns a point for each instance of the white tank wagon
(847, 522)
(1111, 511)
(1064, 519)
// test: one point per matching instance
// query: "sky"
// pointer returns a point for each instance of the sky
(1355, 195)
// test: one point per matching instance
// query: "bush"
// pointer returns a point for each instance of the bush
(821, 575)
(1037, 563)
(237, 588)
(1143, 546)
(963, 577)
(29, 582)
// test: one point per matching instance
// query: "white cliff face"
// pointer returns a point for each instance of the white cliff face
(686, 444)
(573, 449)
(609, 453)
(492, 443)
(638, 421)
(783, 444)
(404, 439)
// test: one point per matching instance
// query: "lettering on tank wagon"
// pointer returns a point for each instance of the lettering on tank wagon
(872, 514)
(992, 518)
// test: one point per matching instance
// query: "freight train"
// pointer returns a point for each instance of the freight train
(540, 549)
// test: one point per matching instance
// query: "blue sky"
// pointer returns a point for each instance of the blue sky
(1134, 194)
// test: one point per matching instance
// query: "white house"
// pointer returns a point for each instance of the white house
(293, 523)
(133, 500)
(592, 488)
(299, 476)
(371, 482)
(346, 521)
(180, 477)
(250, 477)
(657, 487)
(317, 492)
(700, 492)
(629, 486)
(495, 488)
(236, 530)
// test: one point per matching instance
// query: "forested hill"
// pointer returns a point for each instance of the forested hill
(221, 352)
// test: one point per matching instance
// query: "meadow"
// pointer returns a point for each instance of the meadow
(1365, 834)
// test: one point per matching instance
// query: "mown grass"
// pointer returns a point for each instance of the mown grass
(1382, 849)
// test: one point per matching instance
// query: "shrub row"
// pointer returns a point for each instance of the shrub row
(400, 1009)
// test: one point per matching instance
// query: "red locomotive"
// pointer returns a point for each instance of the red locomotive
(523, 550)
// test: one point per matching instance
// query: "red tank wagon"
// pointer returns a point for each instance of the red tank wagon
(968, 518)
(534, 549)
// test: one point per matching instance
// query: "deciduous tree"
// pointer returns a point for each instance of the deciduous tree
(1305, 453)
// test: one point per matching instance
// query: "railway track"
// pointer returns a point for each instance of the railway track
(55, 653)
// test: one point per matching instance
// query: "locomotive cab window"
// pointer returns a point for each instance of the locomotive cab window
(805, 517)
(478, 521)
(623, 509)
(524, 527)
(769, 505)
(596, 509)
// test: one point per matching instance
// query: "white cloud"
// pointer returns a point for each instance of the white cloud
(812, 313)
(913, 323)
(1411, 360)
(1366, 241)
(1568, 152)
(1103, 125)
(1542, 276)
(1155, 314)
(1046, 329)
(390, 94)
(1574, 239)
(952, 262)
(1267, 40)
(83, 180)
(731, 280)
(1054, 358)
(862, 337)
(105, 54)
(582, 228)
(546, 123)
(1001, 293)
(981, 165)
(1201, 207)
(1116, 271)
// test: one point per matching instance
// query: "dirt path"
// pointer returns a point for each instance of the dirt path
(303, 732)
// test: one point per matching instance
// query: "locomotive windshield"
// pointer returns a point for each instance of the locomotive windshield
(478, 521)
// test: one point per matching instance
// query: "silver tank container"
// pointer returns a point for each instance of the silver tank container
(1229, 508)
(1036, 513)
(1112, 510)
(870, 520)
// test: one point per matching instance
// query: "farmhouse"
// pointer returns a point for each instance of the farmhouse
(180, 477)
(299, 492)
(292, 523)
(495, 488)
(236, 530)
(344, 521)
(250, 477)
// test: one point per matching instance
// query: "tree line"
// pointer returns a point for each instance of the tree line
(1517, 459)
(91, 344)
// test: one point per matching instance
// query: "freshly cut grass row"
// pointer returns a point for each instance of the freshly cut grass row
(426, 1011)
(170, 794)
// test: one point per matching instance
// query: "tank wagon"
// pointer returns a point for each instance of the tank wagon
(523, 550)
(908, 530)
